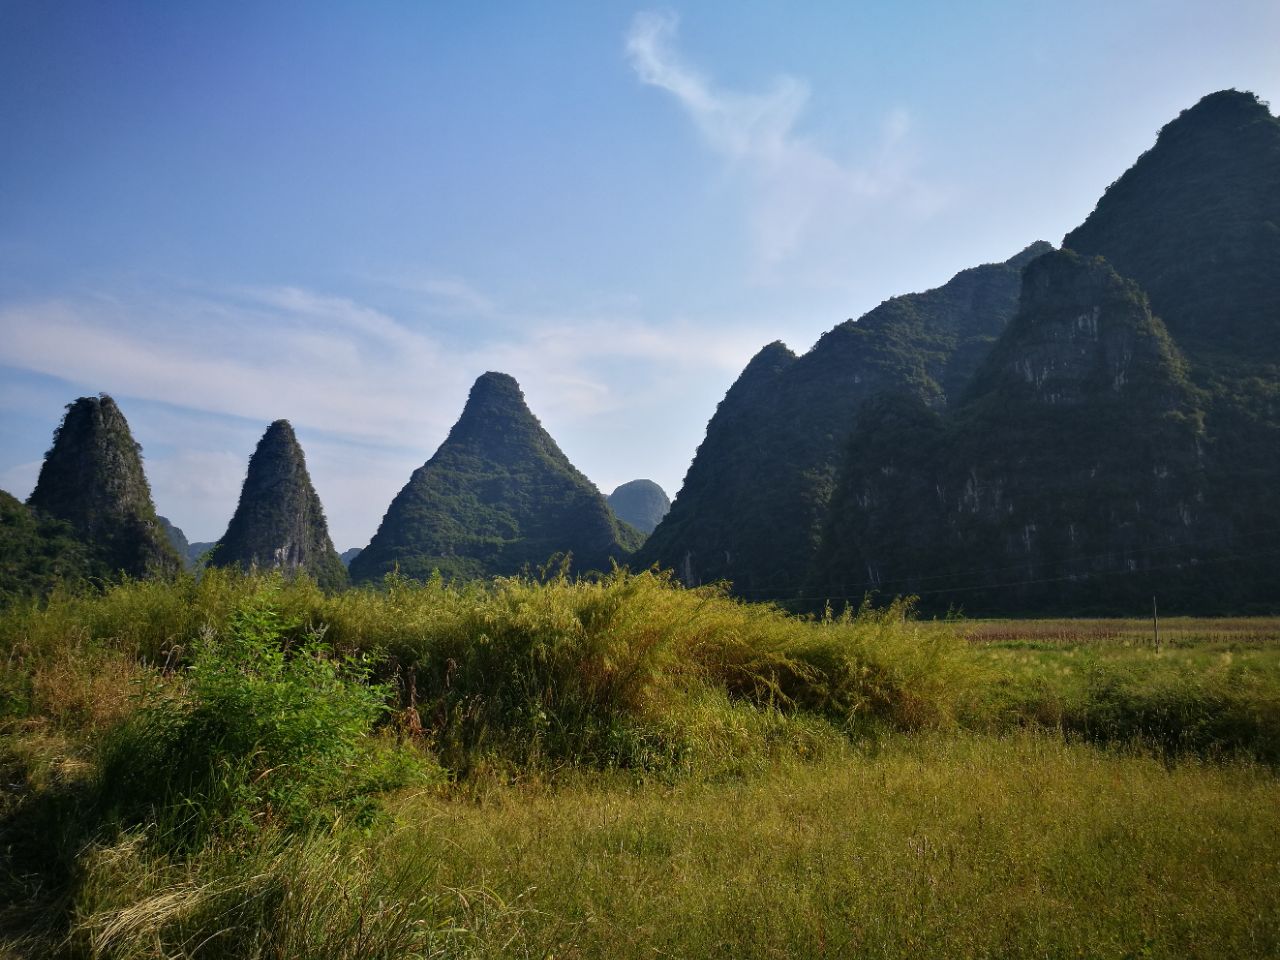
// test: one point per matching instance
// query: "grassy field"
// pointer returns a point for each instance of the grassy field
(241, 767)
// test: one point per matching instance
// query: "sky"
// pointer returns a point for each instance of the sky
(225, 213)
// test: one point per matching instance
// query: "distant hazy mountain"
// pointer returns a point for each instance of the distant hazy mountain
(755, 497)
(348, 555)
(177, 539)
(92, 478)
(641, 503)
(196, 551)
(279, 522)
(498, 497)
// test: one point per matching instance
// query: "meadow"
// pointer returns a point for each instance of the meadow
(242, 766)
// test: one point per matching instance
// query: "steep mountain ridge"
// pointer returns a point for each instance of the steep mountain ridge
(498, 497)
(279, 523)
(755, 497)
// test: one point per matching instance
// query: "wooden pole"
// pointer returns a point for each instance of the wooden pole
(1155, 623)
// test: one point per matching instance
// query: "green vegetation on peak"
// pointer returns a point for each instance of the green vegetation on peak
(92, 478)
(1196, 222)
(754, 499)
(279, 522)
(641, 503)
(497, 498)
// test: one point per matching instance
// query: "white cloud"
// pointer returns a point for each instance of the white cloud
(800, 195)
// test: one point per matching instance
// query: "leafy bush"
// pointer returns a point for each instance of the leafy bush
(257, 730)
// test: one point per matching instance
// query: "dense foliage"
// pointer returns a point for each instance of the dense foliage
(754, 499)
(279, 522)
(37, 553)
(497, 498)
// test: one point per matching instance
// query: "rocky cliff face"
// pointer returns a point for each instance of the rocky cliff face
(279, 523)
(92, 478)
(754, 500)
(497, 498)
(641, 503)
(1196, 222)
(1070, 477)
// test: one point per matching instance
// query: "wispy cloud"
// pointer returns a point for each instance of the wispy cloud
(799, 191)
(441, 292)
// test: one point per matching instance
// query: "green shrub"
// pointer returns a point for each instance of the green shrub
(256, 730)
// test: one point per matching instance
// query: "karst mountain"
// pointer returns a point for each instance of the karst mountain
(497, 498)
(92, 478)
(279, 523)
(754, 500)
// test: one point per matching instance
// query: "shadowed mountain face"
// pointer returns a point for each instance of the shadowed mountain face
(1103, 455)
(498, 497)
(92, 478)
(641, 503)
(1196, 222)
(279, 523)
(1076, 454)
(754, 500)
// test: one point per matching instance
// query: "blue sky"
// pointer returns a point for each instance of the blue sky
(342, 213)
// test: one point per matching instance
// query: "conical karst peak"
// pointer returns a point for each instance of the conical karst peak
(498, 497)
(92, 477)
(497, 421)
(279, 522)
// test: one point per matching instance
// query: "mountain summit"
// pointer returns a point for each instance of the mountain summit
(92, 478)
(498, 496)
(279, 522)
